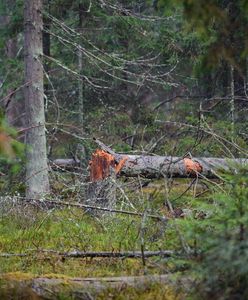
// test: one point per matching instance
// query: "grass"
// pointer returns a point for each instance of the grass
(67, 230)
(11, 288)
(28, 230)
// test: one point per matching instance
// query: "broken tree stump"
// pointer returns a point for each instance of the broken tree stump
(102, 186)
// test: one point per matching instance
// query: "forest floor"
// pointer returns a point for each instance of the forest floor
(31, 239)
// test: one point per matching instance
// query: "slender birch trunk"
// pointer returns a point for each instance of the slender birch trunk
(37, 183)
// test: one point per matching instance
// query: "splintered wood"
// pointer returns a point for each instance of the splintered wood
(103, 164)
(192, 167)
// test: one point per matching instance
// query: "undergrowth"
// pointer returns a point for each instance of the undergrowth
(207, 230)
(31, 231)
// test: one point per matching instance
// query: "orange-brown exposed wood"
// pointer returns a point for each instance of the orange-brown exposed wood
(103, 164)
(191, 166)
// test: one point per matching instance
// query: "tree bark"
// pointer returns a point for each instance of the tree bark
(46, 44)
(163, 166)
(102, 187)
(169, 166)
(37, 182)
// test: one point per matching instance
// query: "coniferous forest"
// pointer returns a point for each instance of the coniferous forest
(124, 149)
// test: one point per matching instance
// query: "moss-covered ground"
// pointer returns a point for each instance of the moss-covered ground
(30, 231)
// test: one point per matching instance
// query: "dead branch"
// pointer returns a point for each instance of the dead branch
(48, 203)
(104, 254)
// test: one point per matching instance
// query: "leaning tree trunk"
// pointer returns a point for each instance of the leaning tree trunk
(37, 182)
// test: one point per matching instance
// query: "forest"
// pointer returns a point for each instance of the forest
(124, 149)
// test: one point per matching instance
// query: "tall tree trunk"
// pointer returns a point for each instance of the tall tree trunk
(80, 92)
(232, 101)
(37, 183)
(81, 151)
(81, 17)
(46, 40)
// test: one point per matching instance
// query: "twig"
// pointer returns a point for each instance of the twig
(104, 147)
(79, 205)
(184, 192)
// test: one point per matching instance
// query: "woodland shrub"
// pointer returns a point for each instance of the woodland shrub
(223, 268)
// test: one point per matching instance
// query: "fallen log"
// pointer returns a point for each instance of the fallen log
(106, 165)
(90, 288)
(168, 166)
(106, 162)
(163, 166)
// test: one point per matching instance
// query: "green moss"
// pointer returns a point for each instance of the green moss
(28, 230)
(154, 291)
(17, 276)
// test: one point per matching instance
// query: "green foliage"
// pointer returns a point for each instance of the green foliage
(134, 57)
(68, 229)
(222, 240)
(13, 11)
(220, 25)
